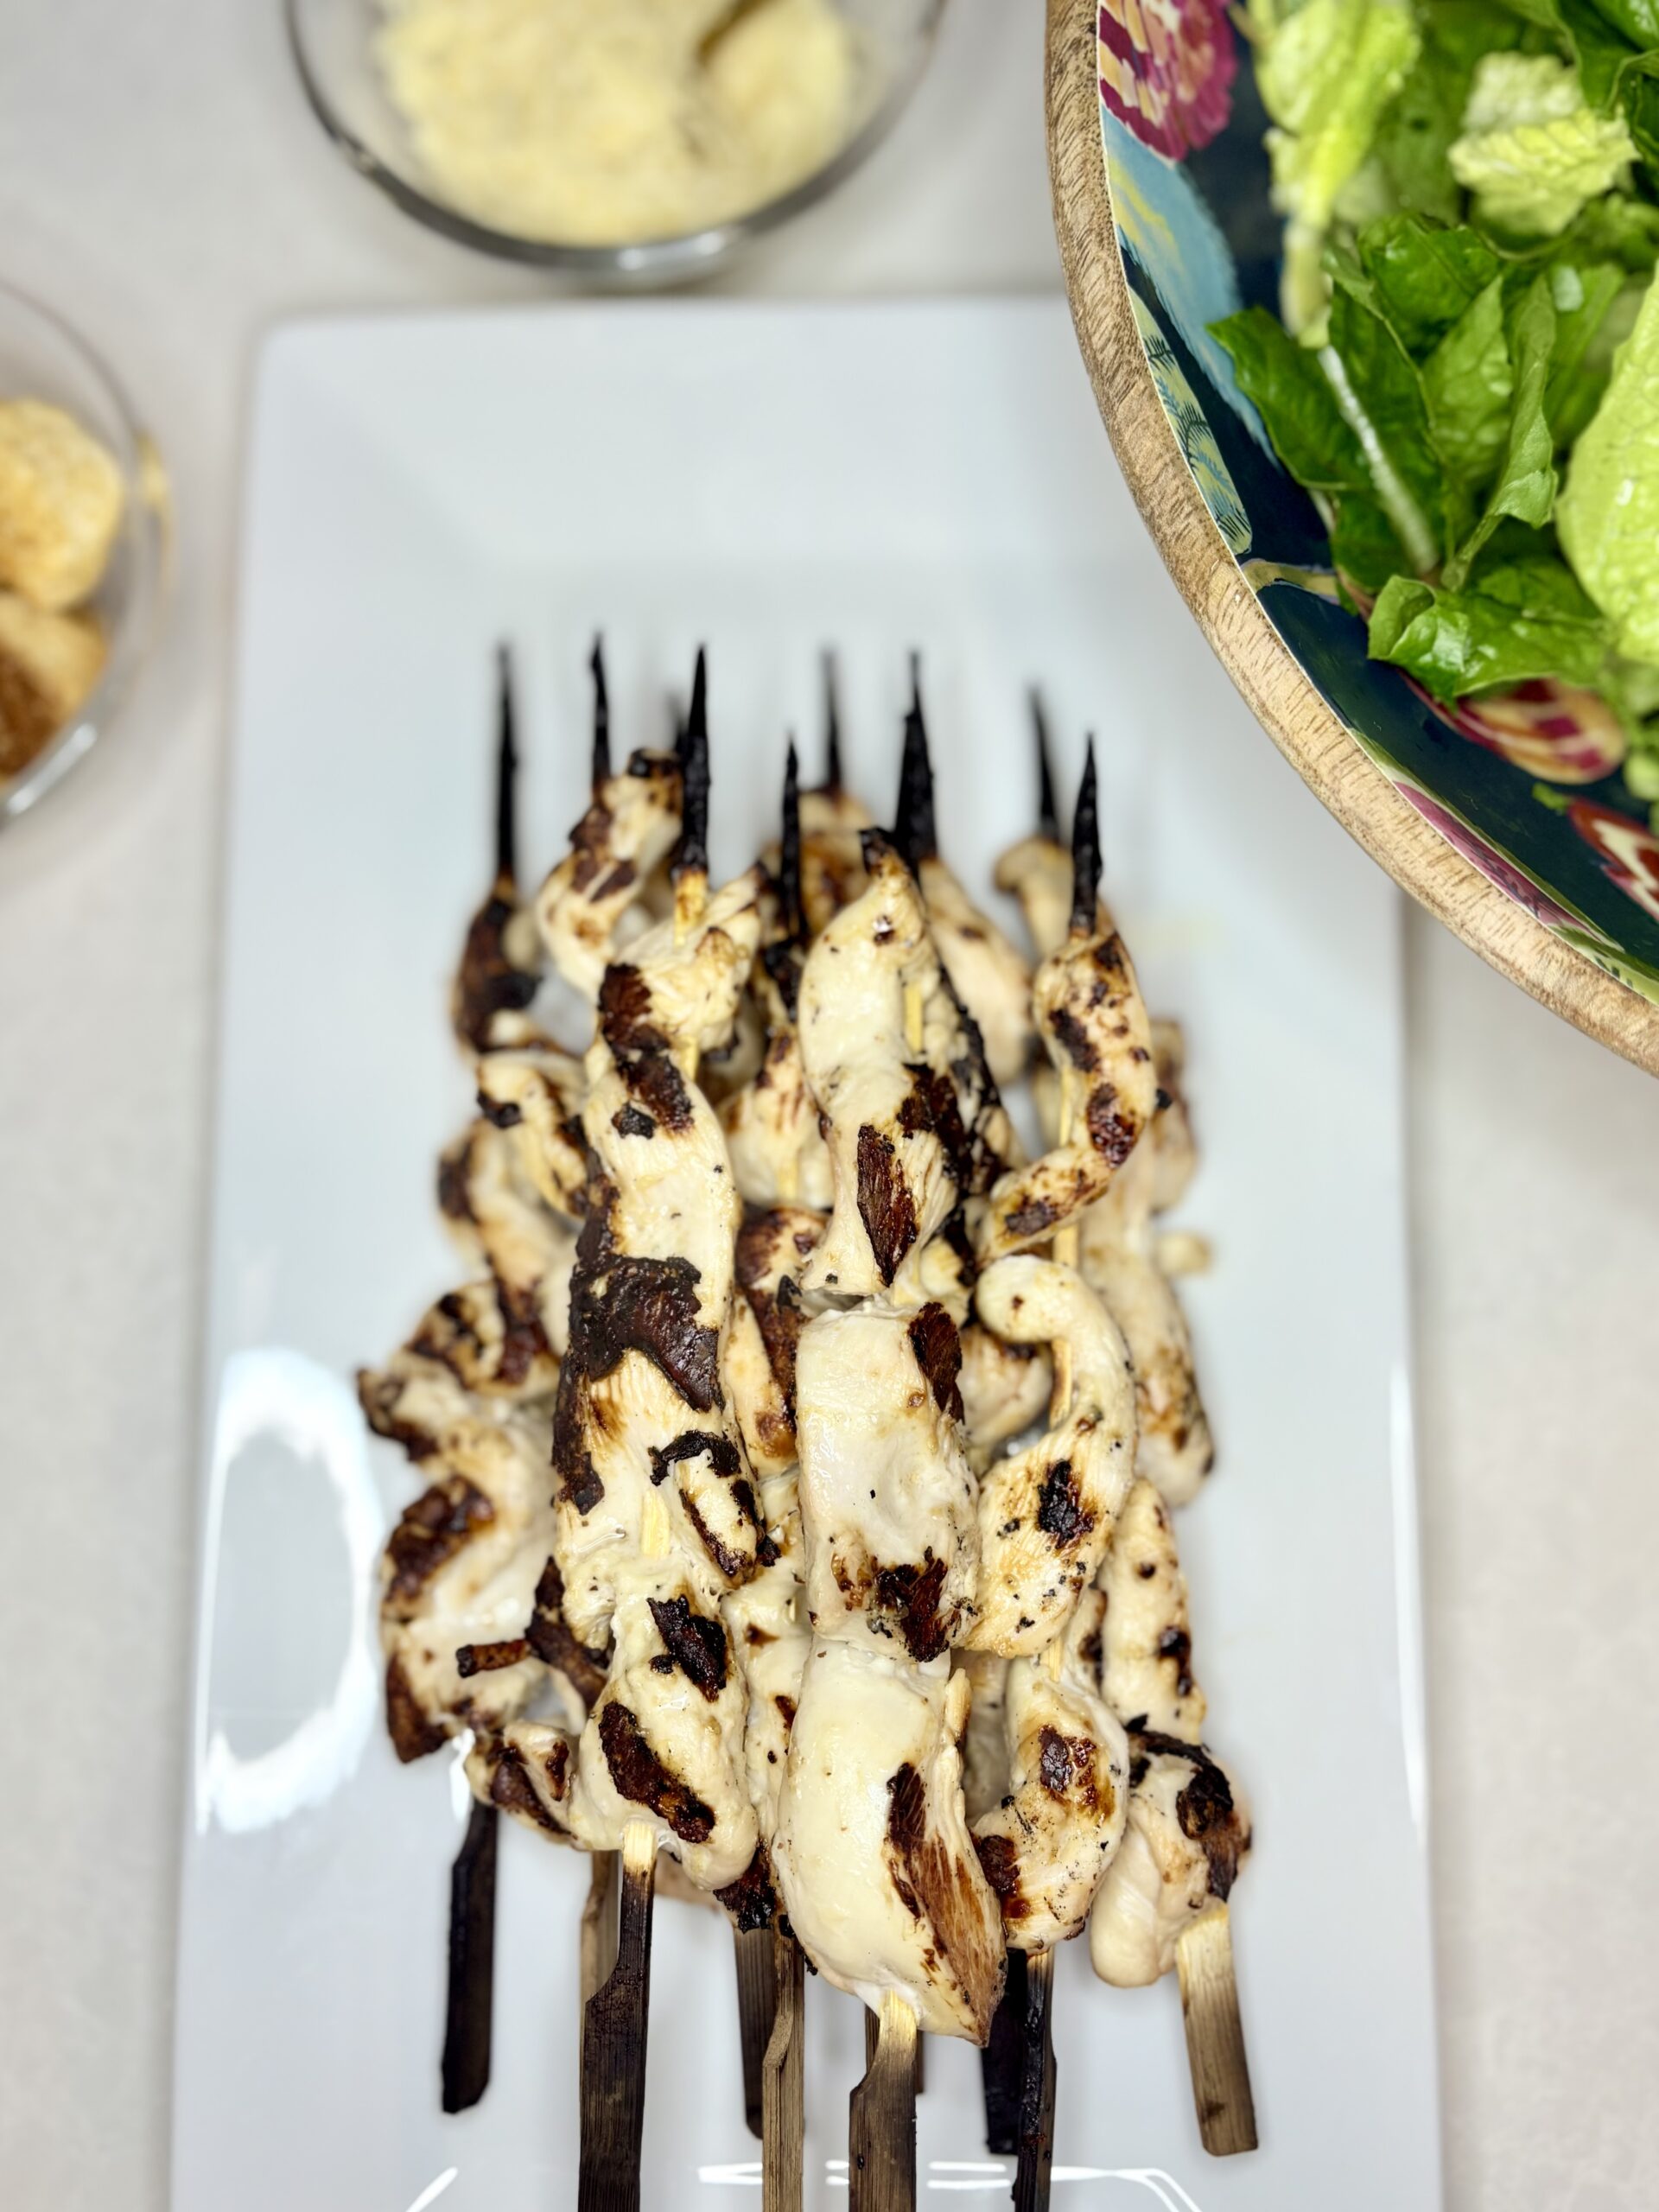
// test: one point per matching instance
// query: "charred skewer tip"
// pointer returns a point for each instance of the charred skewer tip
(914, 832)
(507, 772)
(601, 713)
(691, 854)
(1048, 807)
(1086, 851)
(832, 767)
(789, 863)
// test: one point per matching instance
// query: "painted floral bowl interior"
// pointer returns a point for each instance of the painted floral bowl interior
(1527, 785)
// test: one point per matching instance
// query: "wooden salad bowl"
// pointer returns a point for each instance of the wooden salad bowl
(1562, 894)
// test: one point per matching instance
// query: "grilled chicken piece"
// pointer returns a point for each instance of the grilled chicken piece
(985, 1770)
(626, 833)
(833, 874)
(915, 1120)
(778, 1154)
(1045, 1513)
(1176, 1152)
(491, 1350)
(887, 1497)
(533, 1094)
(766, 1620)
(527, 1769)
(1037, 873)
(1146, 1656)
(875, 1863)
(497, 1215)
(1175, 1449)
(1188, 1833)
(1095, 1030)
(665, 1740)
(1188, 1828)
(1005, 1390)
(641, 1401)
(767, 1320)
(413, 1399)
(1047, 1848)
(990, 977)
(462, 1568)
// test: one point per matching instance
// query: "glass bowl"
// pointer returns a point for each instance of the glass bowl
(332, 46)
(41, 358)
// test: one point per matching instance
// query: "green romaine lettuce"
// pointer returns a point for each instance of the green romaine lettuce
(1578, 366)
(1425, 276)
(1325, 73)
(1455, 642)
(1609, 518)
(1468, 386)
(1380, 392)
(1418, 126)
(1638, 19)
(1295, 399)
(1533, 152)
(1526, 480)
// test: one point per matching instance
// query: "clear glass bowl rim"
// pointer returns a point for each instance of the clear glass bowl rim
(135, 632)
(681, 256)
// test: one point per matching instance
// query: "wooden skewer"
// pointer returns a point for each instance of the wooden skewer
(1215, 2035)
(1037, 2070)
(471, 2001)
(1036, 2143)
(614, 2043)
(1001, 2061)
(602, 758)
(599, 1932)
(882, 2148)
(783, 2132)
(832, 767)
(757, 2007)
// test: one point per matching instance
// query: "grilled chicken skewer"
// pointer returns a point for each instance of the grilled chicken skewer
(1049, 1844)
(1120, 1254)
(875, 1861)
(773, 1641)
(462, 1401)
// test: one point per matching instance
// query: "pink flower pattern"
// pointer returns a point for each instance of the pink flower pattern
(1167, 70)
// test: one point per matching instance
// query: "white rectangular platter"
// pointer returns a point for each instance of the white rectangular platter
(769, 479)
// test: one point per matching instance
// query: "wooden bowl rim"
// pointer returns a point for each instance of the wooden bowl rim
(1284, 701)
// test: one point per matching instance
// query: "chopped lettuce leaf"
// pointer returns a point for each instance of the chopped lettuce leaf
(1365, 547)
(1578, 366)
(1420, 123)
(1609, 518)
(1468, 386)
(1425, 275)
(1455, 642)
(1325, 73)
(1533, 150)
(1380, 391)
(1638, 19)
(1293, 398)
(1526, 481)
(1641, 100)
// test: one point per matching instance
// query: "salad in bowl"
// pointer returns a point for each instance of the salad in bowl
(1384, 280)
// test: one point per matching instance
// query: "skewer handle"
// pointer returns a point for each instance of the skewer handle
(613, 2045)
(757, 2006)
(783, 2133)
(598, 1940)
(1000, 2060)
(882, 2148)
(471, 2002)
(1036, 2145)
(1215, 2036)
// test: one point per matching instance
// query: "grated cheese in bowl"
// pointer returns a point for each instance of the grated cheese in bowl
(607, 122)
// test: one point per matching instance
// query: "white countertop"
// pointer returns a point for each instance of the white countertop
(162, 183)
